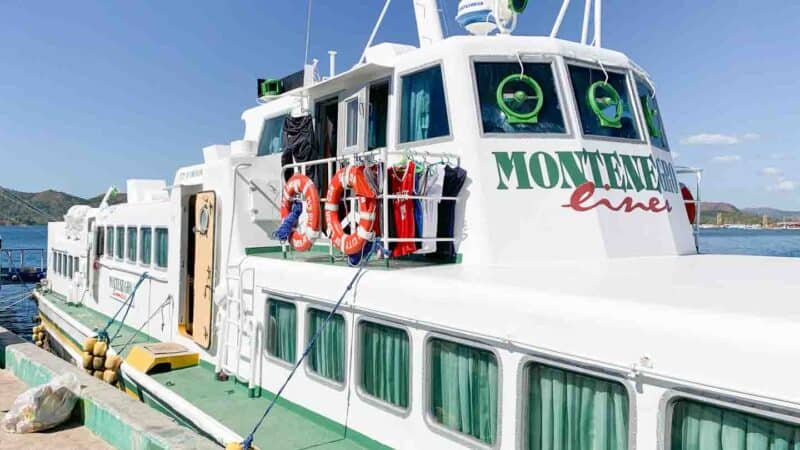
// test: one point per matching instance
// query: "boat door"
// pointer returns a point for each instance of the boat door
(203, 279)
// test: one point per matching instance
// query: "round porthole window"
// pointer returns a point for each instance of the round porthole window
(204, 219)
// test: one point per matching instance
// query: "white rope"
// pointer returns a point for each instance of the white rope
(603, 68)
(13, 304)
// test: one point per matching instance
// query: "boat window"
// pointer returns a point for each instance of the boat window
(385, 363)
(423, 112)
(697, 425)
(110, 242)
(327, 356)
(566, 409)
(146, 246)
(61, 269)
(120, 241)
(100, 242)
(70, 268)
(57, 263)
(604, 105)
(518, 101)
(652, 114)
(272, 136)
(351, 137)
(282, 330)
(75, 265)
(133, 243)
(378, 115)
(456, 369)
(162, 247)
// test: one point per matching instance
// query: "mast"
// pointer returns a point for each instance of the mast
(429, 26)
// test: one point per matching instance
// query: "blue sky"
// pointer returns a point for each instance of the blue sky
(94, 92)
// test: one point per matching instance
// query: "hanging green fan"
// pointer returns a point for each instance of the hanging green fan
(518, 6)
(520, 98)
(650, 115)
(601, 97)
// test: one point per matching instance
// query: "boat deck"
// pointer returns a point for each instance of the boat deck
(288, 426)
(320, 255)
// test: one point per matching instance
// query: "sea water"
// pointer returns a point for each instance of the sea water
(18, 315)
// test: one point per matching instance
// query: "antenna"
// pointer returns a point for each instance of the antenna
(429, 26)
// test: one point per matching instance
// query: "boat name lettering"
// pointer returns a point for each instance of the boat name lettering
(120, 288)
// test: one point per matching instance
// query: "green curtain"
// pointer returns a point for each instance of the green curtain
(697, 426)
(385, 363)
(464, 389)
(570, 411)
(120, 242)
(132, 243)
(110, 242)
(327, 356)
(146, 251)
(282, 330)
(162, 247)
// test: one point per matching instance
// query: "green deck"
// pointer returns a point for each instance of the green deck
(320, 255)
(289, 426)
(96, 320)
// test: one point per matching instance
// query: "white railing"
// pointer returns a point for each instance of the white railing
(385, 157)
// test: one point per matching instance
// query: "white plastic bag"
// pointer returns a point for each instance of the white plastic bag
(44, 406)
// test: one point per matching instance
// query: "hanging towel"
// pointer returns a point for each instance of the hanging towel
(434, 178)
(402, 183)
(300, 145)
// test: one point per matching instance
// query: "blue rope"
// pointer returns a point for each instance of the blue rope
(285, 229)
(248, 442)
(103, 334)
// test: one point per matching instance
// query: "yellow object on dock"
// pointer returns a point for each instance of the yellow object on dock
(148, 356)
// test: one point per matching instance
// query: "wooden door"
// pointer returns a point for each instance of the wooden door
(204, 227)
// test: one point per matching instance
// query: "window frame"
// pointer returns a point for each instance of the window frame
(110, 240)
(398, 107)
(611, 68)
(359, 350)
(522, 390)
(141, 242)
(285, 114)
(433, 424)
(643, 120)
(339, 386)
(358, 95)
(759, 409)
(155, 264)
(128, 244)
(117, 255)
(559, 88)
(388, 81)
(297, 330)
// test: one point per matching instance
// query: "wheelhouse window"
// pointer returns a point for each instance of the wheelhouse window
(282, 330)
(604, 103)
(702, 426)
(351, 136)
(385, 363)
(162, 247)
(327, 356)
(423, 112)
(272, 136)
(456, 369)
(133, 243)
(566, 409)
(518, 100)
(378, 115)
(110, 242)
(100, 242)
(120, 241)
(146, 246)
(652, 114)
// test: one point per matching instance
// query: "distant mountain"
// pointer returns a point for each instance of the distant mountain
(37, 208)
(775, 214)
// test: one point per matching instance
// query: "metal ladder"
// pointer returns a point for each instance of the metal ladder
(237, 331)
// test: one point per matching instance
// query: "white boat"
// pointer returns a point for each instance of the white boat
(536, 285)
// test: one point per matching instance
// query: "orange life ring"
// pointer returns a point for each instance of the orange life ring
(304, 235)
(688, 201)
(353, 178)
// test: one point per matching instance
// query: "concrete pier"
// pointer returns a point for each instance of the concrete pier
(113, 419)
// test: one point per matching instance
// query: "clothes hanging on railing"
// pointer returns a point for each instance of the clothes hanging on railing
(431, 186)
(300, 145)
(402, 183)
(454, 178)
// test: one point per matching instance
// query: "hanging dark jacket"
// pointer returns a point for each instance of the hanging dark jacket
(300, 145)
